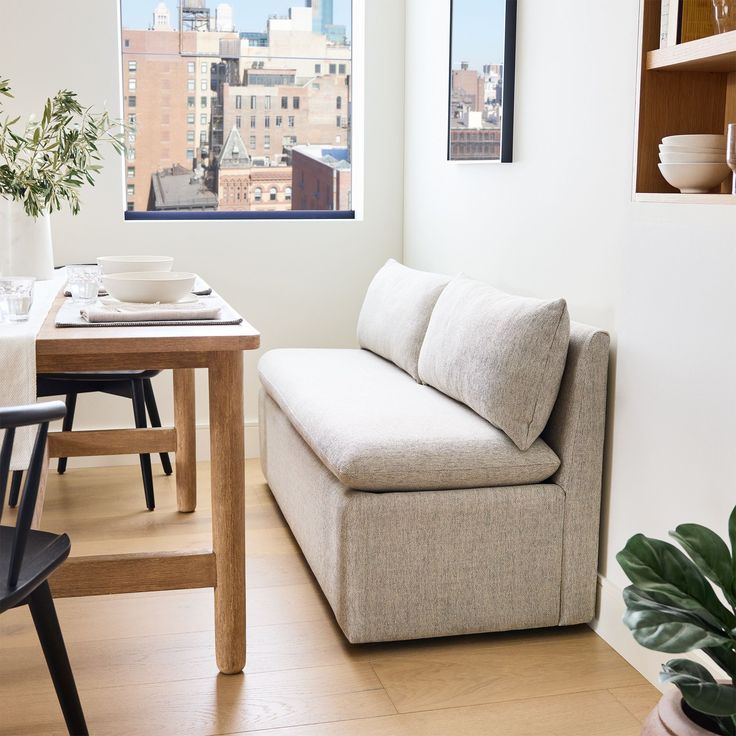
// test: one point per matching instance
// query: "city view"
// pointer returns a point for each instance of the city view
(237, 107)
(476, 82)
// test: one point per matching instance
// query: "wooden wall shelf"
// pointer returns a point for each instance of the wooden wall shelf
(712, 54)
(684, 89)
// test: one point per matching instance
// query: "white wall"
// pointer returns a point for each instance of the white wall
(560, 221)
(300, 283)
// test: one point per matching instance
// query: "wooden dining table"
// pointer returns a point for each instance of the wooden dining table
(219, 349)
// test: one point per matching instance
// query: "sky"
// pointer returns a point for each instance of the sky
(248, 15)
(477, 32)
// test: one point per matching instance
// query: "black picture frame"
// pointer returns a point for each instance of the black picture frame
(509, 86)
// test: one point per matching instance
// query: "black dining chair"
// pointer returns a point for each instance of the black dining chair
(133, 385)
(28, 557)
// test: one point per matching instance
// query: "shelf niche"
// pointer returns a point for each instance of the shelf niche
(688, 88)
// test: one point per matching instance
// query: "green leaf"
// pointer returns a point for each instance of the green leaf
(653, 565)
(732, 538)
(709, 552)
(666, 628)
(699, 688)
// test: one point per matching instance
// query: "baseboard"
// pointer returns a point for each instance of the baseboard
(252, 450)
(609, 626)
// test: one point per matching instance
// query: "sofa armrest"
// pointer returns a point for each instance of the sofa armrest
(575, 431)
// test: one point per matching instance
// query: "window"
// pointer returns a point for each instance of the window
(270, 92)
(131, 190)
(130, 206)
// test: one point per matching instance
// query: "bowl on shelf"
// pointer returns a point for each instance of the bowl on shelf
(149, 287)
(695, 178)
(130, 264)
(702, 140)
(692, 158)
(690, 149)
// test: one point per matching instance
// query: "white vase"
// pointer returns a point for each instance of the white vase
(25, 242)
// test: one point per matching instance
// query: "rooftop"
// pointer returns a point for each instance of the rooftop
(178, 188)
(338, 157)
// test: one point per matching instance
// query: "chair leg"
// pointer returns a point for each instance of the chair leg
(139, 412)
(71, 405)
(155, 420)
(49, 633)
(15, 482)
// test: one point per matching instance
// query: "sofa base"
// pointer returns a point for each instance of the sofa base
(410, 565)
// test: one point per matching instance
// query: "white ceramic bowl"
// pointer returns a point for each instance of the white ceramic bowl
(694, 178)
(148, 287)
(692, 158)
(690, 149)
(697, 141)
(130, 264)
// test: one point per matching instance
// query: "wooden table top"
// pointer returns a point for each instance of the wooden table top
(56, 345)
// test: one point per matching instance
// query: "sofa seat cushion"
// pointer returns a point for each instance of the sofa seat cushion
(376, 429)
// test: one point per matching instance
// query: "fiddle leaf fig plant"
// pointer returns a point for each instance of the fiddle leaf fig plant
(46, 162)
(672, 606)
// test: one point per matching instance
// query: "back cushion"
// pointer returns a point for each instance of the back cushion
(501, 355)
(396, 312)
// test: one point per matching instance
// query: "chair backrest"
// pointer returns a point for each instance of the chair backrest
(10, 419)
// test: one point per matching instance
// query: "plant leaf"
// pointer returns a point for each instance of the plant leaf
(732, 538)
(709, 552)
(699, 688)
(653, 565)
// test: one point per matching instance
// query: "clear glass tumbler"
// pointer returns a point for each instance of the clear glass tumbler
(17, 294)
(731, 153)
(83, 283)
(724, 15)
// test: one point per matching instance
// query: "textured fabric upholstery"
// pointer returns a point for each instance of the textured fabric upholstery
(418, 564)
(576, 431)
(500, 354)
(396, 312)
(376, 429)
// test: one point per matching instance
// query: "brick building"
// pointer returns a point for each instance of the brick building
(322, 177)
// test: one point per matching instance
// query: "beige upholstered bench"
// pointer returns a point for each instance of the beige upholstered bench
(445, 478)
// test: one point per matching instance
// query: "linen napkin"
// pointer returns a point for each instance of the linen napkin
(114, 311)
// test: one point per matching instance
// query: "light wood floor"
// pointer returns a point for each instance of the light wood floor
(144, 663)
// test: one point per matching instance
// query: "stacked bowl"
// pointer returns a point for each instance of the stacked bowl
(694, 164)
(145, 279)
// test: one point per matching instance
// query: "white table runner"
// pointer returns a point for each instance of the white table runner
(18, 361)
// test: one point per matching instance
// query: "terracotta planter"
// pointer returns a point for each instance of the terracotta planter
(668, 719)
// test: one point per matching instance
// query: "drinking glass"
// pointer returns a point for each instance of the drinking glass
(16, 292)
(83, 283)
(724, 12)
(731, 153)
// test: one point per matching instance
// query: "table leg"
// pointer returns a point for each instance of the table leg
(228, 507)
(186, 442)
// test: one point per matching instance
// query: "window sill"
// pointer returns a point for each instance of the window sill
(289, 215)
